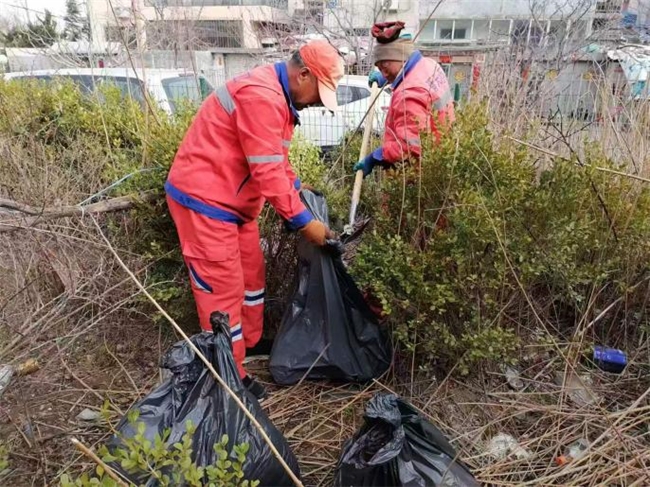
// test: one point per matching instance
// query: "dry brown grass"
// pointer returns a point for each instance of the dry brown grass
(318, 418)
(521, 108)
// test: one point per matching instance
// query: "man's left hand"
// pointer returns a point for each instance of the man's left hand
(366, 165)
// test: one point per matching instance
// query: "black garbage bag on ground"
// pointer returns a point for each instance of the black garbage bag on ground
(328, 331)
(398, 447)
(192, 394)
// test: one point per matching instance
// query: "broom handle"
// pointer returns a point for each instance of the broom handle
(358, 178)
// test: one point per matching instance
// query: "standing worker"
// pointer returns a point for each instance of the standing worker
(421, 100)
(234, 157)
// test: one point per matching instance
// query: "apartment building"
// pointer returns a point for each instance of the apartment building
(254, 24)
(503, 22)
(354, 17)
(199, 24)
(637, 13)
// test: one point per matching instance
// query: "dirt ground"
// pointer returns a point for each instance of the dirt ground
(118, 363)
(65, 303)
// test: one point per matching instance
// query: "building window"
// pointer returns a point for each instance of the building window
(171, 34)
(222, 3)
(457, 34)
(219, 33)
(528, 33)
(600, 24)
(121, 34)
(357, 32)
(608, 6)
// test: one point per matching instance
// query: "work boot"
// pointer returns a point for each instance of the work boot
(255, 388)
(263, 347)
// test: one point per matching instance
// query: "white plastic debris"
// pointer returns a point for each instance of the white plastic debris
(513, 378)
(578, 388)
(502, 446)
(6, 374)
(574, 451)
(89, 415)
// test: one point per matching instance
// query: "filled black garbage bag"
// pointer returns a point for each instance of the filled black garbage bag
(193, 394)
(397, 447)
(328, 331)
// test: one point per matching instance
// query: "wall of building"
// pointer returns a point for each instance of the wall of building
(28, 59)
(236, 64)
(500, 31)
(100, 15)
(572, 91)
(450, 9)
(361, 14)
(640, 8)
(118, 12)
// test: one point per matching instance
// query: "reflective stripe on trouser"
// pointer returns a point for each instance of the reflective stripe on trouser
(221, 280)
(253, 267)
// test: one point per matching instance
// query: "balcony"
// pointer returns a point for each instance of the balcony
(280, 4)
(609, 7)
(169, 34)
(462, 32)
(496, 32)
(504, 9)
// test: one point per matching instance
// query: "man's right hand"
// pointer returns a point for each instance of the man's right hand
(316, 233)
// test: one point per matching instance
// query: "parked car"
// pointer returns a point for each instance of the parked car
(327, 129)
(166, 86)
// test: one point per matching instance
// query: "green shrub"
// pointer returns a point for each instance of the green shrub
(170, 466)
(4, 457)
(469, 247)
(88, 143)
(66, 147)
(469, 252)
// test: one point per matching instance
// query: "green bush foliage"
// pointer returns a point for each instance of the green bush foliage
(85, 144)
(170, 465)
(4, 457)
(476, 247)
(472, 250)
(67, 147)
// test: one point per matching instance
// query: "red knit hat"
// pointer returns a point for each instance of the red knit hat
(386, 32)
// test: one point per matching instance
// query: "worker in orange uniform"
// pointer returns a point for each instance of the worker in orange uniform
(234, 157)
(421, 99)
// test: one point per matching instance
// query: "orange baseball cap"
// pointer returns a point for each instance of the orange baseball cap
(325, 62)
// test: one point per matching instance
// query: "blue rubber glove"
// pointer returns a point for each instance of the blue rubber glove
(366, 165)
(369, 162)
(376, 77)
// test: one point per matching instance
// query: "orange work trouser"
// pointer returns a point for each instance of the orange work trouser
(226, 268)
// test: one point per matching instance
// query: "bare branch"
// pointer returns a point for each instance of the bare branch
(45, 214)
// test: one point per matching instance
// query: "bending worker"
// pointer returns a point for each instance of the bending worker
(421, 99)
(233, 158)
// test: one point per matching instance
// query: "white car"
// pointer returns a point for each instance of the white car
(166, 86)
(327, 129)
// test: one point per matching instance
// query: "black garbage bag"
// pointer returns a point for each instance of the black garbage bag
(193, 394)
(398, 447)
(328, 331)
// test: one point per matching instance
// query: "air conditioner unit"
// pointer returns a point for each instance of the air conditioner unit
(391, 5)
